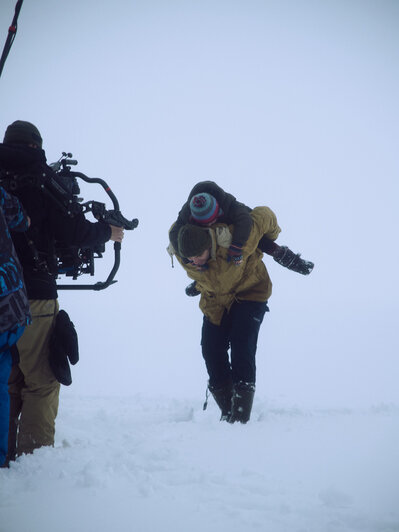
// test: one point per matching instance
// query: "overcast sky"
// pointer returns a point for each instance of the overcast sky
(293, 105)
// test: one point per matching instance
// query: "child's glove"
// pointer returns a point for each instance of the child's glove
(234, 253)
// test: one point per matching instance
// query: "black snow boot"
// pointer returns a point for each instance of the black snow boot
(241, 405)
(223, 396)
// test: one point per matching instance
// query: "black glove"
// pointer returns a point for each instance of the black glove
(63, 346)
(191, 290)
(292, 261)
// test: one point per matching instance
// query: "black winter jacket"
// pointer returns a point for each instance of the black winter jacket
(14, 306)
(48, 222)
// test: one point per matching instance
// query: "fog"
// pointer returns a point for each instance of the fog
(292, 105)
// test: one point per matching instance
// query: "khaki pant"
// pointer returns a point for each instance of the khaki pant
(33, 389)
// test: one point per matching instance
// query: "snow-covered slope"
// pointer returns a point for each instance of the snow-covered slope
(154, 465)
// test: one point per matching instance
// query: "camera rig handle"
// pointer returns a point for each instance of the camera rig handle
(111, 217)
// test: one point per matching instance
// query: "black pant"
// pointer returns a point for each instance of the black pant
(238, 330)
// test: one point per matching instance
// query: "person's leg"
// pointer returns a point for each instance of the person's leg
(267, 246)
(7, 340)
(15, 385)
(5, 368)
(215, 345)
(40, 394)
(246, 319)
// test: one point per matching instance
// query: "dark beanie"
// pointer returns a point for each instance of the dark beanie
(193, 240)
(21, 132)
(204, 208)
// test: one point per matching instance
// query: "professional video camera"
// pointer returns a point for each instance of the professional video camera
(62, 185)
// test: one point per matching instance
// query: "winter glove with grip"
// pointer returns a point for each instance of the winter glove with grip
(292, 261)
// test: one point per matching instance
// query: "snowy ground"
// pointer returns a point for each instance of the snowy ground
(158, 464)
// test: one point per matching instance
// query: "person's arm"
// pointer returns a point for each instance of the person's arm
(15, 216)
(77, 230)
(264, 224)
(240, 216)
(117, 233)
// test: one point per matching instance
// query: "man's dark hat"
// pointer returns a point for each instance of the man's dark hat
(193, 240)
(21, 132)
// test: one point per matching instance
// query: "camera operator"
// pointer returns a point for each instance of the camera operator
(33, 388)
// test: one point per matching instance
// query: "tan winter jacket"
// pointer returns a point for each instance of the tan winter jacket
(223, 282)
